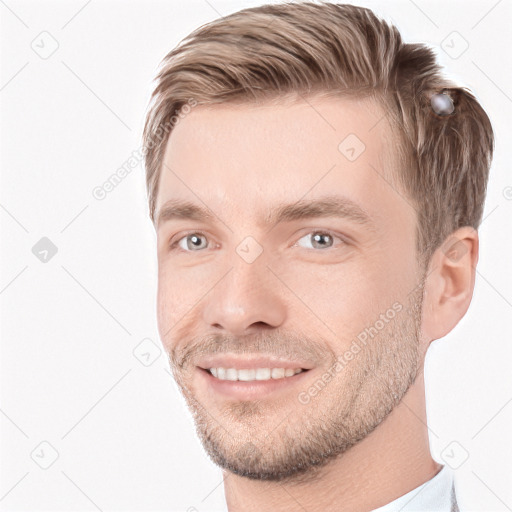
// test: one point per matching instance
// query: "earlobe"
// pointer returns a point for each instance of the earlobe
(450, 282)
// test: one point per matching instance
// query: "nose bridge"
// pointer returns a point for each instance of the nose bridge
(247, 295)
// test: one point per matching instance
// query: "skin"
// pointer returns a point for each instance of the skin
(362, 441)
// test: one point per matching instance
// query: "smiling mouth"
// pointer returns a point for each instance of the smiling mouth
(253, 374)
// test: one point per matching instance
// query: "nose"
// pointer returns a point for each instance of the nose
(246, 300)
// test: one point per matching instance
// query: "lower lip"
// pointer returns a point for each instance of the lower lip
(250, 390)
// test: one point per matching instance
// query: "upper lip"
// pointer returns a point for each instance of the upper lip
(250, 362)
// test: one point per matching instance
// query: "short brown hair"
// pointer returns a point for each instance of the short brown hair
(265, 52)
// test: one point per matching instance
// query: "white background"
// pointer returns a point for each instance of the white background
(124, 438)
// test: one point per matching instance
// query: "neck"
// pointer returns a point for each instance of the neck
(391, 461)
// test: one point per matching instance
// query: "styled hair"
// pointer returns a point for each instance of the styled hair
(263, 53)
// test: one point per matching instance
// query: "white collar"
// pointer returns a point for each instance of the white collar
(435, 495)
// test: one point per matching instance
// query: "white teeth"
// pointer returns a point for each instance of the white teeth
(253, 373)
(231, 374)
(262, 373)
(277, 373)
(247, 374)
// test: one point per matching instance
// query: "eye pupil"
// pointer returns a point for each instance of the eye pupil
(320, 237)
(196, 240)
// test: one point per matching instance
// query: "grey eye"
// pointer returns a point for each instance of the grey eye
(192, 242)
(319, 240)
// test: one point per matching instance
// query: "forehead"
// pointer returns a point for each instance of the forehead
(245, 158)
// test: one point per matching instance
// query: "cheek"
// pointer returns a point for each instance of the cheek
(169, 307)
(338, 298)
(179, 291)
(343, 298)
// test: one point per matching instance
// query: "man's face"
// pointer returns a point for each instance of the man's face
(300, 286)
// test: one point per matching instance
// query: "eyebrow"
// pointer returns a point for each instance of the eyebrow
(327, 206)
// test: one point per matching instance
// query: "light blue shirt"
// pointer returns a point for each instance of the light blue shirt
(435, 495)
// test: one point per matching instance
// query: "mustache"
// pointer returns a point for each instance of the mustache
(289, 346)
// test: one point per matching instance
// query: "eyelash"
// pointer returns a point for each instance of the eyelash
(174, 245)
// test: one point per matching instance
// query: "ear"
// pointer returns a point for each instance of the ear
(450, 283)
